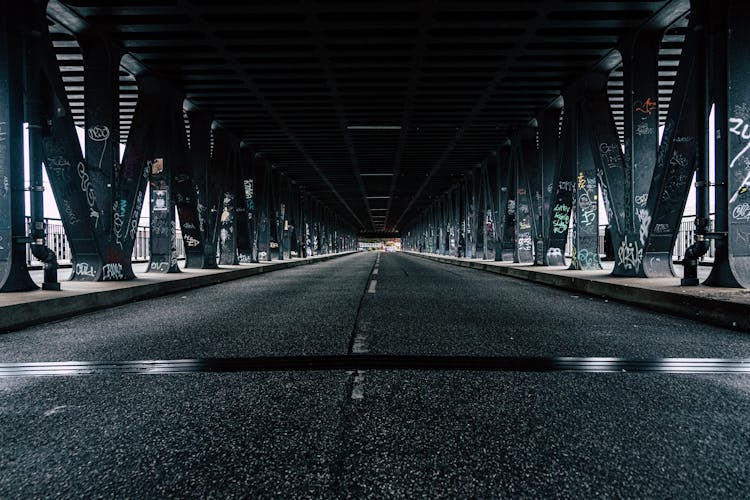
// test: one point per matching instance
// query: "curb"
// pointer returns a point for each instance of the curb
(732, 315)
(17, 316)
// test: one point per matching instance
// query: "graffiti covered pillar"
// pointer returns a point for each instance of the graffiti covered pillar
(262, 171)
(306, 225)
(506, 204)
(162, 236)
(225, 166)
(246, 207)
(184, 186)
(101, 75)
(613, 175)
(14, 275)
(475, 207)
(641, 89)
(549, 160)
(275, 213)
(684, 130)
(523, 158)
(200, 162)
(294, 220)
(563, 187)
(284, 212)
(586, 195)
(489, 179)
(732, 97)
(453, 221)
(470, 202)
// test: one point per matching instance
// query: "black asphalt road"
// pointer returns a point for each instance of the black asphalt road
(375, 433)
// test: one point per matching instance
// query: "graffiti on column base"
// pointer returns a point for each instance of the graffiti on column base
(629, 255)
(112, 272)
(524, 242)
(84, 269)
(585, 259)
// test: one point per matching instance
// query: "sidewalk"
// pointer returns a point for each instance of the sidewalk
(727, 307)
(18, 310)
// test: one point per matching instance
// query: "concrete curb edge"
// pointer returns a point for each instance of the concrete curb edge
(18, 316)
(726, 314)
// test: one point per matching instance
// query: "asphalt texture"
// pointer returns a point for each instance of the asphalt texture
(377, 433)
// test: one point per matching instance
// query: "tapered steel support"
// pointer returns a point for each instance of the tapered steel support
(682, 140)
(549, 165)
(200, 163)
(563, 188)
(226, 161)
(613, 174)
(731, 74)
(14, 275)
(489, 207)
(162, 238)
(262, 189)
(69, 173)
(506, 203)
(292, 221)
(101, 74)
(454, 230)
(307, 225)
(586, 195)
(167, 164)
(641, 94)
(524, 163)
(276, 216)
(246, 227)
(184, 186)
(285, 191)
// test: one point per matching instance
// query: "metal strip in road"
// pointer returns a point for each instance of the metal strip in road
(376, 362)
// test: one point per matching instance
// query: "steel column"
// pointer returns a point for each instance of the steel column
(200, 163)
(732, 72)
(262, 181)
(225, 171)
(641, 93)
(586, 202)
(245, 206)
(523, 159)
(677, 155)
(549, 159)
(14, 275)
(506, 203)
(564, 187)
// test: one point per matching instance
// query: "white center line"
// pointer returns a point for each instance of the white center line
(375, 271)
(358, 386)
(373, 284)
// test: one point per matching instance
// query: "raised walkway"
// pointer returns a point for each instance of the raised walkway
(727, 307)
(18, 310)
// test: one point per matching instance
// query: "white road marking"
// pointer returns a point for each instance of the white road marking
(358, 386)
(373, 284)
(375, 271)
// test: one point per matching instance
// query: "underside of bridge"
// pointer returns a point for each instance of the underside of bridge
(374, 107)
(474, 128)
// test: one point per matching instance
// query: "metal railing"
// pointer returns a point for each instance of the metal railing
(58, 243)
(685, 238)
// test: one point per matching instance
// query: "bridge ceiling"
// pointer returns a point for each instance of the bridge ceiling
(371, 105)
